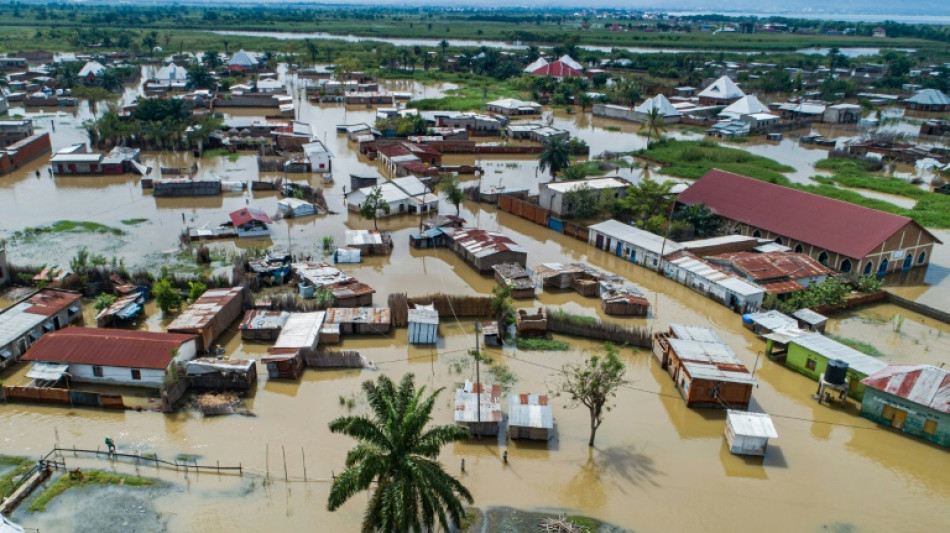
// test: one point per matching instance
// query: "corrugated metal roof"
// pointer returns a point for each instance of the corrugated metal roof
(482, 243)
(467, 407)
(108, 347)
(637, 237)
(247, 214)
(530, 410)
(33, 311)
(833, 225)
(704, 355)
(809, 317)
(748, 424)
(723, 88)
(772, 320)
(200, 313)
(363, 315)
(832, 349)
(358, 237)
(771, 265)
(424, 315)
(929, 97)
(925, 385)
(595, 184)
(263, 319)
(302, 330)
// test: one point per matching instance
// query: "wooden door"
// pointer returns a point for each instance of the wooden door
(899, 418)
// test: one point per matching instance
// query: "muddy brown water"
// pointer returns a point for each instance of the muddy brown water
(657, 466)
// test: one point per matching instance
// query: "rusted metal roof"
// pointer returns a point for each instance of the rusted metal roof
(108, 347)
(364, 315)
(243, 216)
(48, 302)
(782, 287)
(772, 265)
(467, 407)
(925, 385)
(833, 225)
(204, 309)
(263, 319)
(530, 410)
(482, 243)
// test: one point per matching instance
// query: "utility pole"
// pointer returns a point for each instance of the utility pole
(478, 385)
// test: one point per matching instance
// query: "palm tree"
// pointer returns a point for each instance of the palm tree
(556, 156)
(654, 125)
(443, 44)
(449, 187)
(399, 455)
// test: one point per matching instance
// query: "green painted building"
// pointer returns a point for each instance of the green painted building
(809, 354)
(914, 399)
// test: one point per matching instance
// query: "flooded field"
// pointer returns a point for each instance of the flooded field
(658, 466)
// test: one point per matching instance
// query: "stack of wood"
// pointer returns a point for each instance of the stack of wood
(217, 403)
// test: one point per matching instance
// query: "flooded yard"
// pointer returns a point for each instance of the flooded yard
(658, 466)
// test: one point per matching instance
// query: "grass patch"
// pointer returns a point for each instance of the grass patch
(580, 320)
(693, 159)
(860, 346)
(613, 128)
(73, 226)
(134, 221)
(92, 477)
(94, 93)
(540, 344)
(222, 152)
(932, 209)
(21, 465)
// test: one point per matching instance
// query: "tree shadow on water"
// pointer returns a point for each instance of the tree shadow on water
(603, 467)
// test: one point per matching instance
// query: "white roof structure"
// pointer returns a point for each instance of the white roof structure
(749, 424)
(595, 184)
(832, 349)
(93, 67)
(268, 84)
(569, 61)
(704, 270)
(243, 59)
(514, 103)
(530, 410)
(390, 192)
(661, 103)
(171, 73)
(468, 408)
(772, 320)
(929, 97)
(723, 88)
(637, 237)
(538, 63)
(747, 105)
(424, 314)
(315, 147)
(301, 330)
(803, 108)
(412, 186)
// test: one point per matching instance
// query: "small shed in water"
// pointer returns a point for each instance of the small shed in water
(748, 433)
(517, 277)
(360, 320)
(478, 407)
(210, 315)
(221, 374)
(423, 325)
(810, 320)
(622, 299)
(530, 417)
(262, 324)
(912, 398)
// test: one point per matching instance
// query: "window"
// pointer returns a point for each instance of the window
(846, 265)
(97, 371)
(778, 240)
(922, 258)
(881, 270)
(799, 248)
(867, 268)
(756, 234)
(136, 374)
(811, 364)
(930, 427)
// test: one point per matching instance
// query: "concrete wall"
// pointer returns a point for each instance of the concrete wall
(877, 404)
(113, 375)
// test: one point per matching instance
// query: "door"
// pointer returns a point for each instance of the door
(883, 268)
(599, 241)
(619, 249)
(908, 261)
(899, 418)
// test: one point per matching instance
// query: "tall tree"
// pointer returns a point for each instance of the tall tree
(555, 156)
(655, 125)
(450, 189)
(373, 204)
(645, 200)
(593, 384)
(400, 456)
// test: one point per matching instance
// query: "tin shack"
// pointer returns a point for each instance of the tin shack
(423, 325)
(705, 370)
(360, 320)
(810, 354)
(483, 249)
(748, 433)
(297, 341)
(210, 315)
(914, 399)
(212, 373)
(478, 407)
(262, 324)
(530, 417)
(517, 277)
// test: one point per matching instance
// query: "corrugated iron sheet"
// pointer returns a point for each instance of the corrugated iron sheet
(108, 347)
(922, 384)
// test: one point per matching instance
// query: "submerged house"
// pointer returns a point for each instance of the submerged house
(262, 324)
(123, 309)
(723, 91)
(810, 353)
(530, 417)
(249, 222)
(209, 316)
(631, 243)
(423, 325)
(26, 321)
(221, 374)
(483, 249)
(912, 398)
(296, 342)
(478, 407)
(843, 236)
(359, 320)
(928, 100)
(705, 370)
(109, 356)
(517, 277)
(748, 433)
(776, 272)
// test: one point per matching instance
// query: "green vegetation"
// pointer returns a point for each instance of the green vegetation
(452, 191)
(20, 466)
(222, 152)
(860, 346)
(580, 320)
(82, 479)
(166, 295)
(195, 290)
(72, 226)
(396, 458)
(931, 210)
(693, 159)
(373, 204)
(134, 221)
(593, 384)
(830, 292)
(104, 301)
(541, 344)
(97, 94)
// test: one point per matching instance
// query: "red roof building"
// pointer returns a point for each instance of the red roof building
(557, 69)
(776, 272)
(108, 347)
(243, 216)
(843, 236)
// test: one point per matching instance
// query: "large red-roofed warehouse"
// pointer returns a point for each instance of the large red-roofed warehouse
(843, 236)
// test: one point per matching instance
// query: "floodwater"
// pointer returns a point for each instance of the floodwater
(657, 466)
(434, 42)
